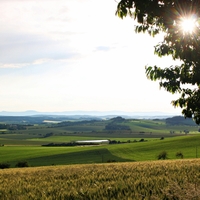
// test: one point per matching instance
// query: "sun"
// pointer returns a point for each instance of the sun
(188, 24)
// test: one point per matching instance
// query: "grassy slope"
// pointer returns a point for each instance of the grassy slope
(139, 151)
(156, 126)
(149, 150)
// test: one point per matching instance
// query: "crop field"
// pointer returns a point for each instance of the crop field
(126, 168)
(155, 180)
(135, 140)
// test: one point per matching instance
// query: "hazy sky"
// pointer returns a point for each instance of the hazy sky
(64, 55)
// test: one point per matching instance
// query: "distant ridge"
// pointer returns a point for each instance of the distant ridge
(92, 113)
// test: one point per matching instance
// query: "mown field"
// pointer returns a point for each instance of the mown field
(153, 180)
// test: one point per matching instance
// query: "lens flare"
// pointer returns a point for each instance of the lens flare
(188, 24)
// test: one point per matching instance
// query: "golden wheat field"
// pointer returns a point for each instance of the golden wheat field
(178, 179)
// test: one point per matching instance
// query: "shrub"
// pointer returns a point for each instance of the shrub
(109, 161)
(22, 164)
(179, 154)
(162, 155)
(4, 165)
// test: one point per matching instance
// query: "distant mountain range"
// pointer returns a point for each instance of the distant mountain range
(92, 113)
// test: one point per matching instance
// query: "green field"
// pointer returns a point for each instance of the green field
(142, 141)
(135, 151)
(126, 168)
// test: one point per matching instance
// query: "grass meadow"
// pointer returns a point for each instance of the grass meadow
(188, 145)
(26, 144)
(153, 180)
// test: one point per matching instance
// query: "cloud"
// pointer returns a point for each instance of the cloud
(19, 48)
(72, 54)
(34, 30)
(103, 48)
(13, 65)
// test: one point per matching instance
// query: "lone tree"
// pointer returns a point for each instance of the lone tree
(162, 155)
(179, 20)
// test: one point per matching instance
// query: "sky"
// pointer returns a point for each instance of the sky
(69, 55)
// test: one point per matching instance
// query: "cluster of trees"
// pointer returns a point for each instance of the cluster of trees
(115, 125)
(89, 143)
(13, 126)
(118, 119)
(128, 141)
(19, 164)
(69, 144)
(179, 120)
(166, 16)
(74, 123)
(164, 155)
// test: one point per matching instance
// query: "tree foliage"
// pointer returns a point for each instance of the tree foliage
(22, 164)
(180, 121)
(162, 155)
(165, 16)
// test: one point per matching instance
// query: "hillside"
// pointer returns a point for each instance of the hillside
(129, 140)
(116, 181)
(179, 120)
